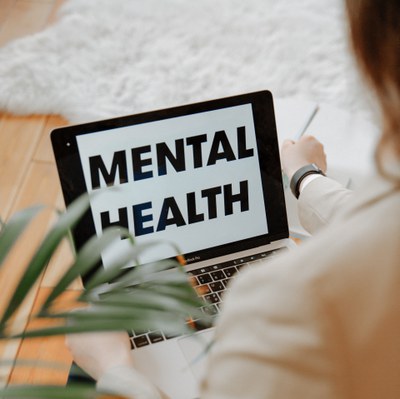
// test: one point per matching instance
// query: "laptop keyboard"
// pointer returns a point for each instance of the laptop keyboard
(210, 283)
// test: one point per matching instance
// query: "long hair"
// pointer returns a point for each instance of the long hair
(375, 37)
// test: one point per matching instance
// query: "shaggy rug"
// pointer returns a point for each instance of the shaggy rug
(106, 58)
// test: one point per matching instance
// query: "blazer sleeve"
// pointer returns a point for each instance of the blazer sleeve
(320, 202)
(274, 343)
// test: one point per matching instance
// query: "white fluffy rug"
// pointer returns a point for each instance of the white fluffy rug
(113, 57)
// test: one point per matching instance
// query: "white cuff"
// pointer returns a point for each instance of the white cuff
(307, 180)
(127, 382)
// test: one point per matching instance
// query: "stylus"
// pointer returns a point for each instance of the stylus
(308, 123)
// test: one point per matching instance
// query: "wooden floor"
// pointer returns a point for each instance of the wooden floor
(28, 176)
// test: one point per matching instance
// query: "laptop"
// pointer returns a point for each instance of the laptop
(205, 176)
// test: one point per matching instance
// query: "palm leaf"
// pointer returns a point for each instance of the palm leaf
(108, 321)
(40, 259)
(155, 296)
(86, 259)
(11, 231)
(76, 391)
(105, 275)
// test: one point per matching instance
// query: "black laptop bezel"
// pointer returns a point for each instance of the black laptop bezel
(72, 180)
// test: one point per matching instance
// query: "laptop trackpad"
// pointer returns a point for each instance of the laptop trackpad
(195, 350)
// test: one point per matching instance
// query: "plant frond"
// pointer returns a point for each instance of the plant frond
(12, 230)
(45, 251)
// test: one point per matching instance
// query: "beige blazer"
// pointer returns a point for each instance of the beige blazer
(322, 321)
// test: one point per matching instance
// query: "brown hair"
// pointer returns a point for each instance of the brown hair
(375, 37)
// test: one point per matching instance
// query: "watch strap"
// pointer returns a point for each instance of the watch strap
(299, 176)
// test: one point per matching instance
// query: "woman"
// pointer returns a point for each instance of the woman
(323, 322)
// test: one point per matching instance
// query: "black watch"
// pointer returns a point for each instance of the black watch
(299, 176)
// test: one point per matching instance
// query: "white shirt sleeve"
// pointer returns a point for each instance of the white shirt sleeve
(308, 179)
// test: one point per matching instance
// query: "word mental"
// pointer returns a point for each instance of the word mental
(148, 161)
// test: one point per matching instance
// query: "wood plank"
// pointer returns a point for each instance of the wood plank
(41, 350)
(43, 1)
(44, 151)
(37, 351)
(61, 261)
(26, 17)
(54, 12)
(18, 140)
(5, 10)
(40, 186)
(9, 348)
(49, 350)
(8, 351)
(58, 265)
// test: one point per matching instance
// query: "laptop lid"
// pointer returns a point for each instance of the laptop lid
(204, 176)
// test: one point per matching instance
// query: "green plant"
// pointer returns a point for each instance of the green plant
(151, 296)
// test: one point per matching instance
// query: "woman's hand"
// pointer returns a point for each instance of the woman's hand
(307, 150)
(98, 352)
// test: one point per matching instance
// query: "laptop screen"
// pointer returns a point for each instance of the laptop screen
(204, 177)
